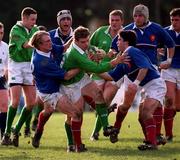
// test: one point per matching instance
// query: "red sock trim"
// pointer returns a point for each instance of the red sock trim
(119, 119)
(150, 127)
(76, 131)
(169, 114)
(158, 116)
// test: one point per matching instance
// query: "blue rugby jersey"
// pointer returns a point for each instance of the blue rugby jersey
(58, 39)
(176, 37)
(148, 39)
(46, 71)
(138, 61)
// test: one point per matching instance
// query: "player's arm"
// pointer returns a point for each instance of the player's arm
(93, 67)
(106, 76)
(67, 44)
(141, 75)
(26, 45)
(169, 43)
(166, 64)
(71, 73)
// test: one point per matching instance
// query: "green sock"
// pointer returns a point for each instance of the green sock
(23, 117)
(101, 110)
(69, 134)
(28, 121)
(98, 125)
(10, 117)
(38, 109)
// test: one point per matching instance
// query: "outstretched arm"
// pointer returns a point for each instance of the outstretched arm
(106, 76)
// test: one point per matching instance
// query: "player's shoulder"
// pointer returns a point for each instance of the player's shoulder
(52, 32)
(4, 44)
(167, 28)
(155, 25)
(129, 26)
(102, 29)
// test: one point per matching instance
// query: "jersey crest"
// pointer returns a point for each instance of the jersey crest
(152, 37)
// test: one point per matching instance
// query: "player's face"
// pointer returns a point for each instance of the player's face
(115, 22)
(1, 33)
(65, 24)
(29, 21)
(46, 44)
(121, 44)
(175, 21)
(83, 43)
(139, 20)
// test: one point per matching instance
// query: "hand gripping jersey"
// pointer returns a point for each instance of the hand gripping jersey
(138, 61)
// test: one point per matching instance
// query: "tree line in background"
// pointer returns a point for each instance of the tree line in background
(91, 13)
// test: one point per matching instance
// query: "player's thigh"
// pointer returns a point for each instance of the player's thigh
(29, 95)
(171, 89)
(4, 100)
(92, 90)
(66, 106)
(109, 92)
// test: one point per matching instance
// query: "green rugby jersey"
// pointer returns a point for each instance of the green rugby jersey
(18, 36)
(101, 39)
(77, 58)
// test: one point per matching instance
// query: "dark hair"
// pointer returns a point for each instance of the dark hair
(27, 11)
(117, 13)
(1, 25)
(175, 12)
(81, 32)
(42, 28)
(129, 36)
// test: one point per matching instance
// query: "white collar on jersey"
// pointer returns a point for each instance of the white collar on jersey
(171, 28)
(43, 53)
(135, 26)
(78, 48)
(57, 35)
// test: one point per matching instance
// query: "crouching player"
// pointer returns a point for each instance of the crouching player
(142, 77)
(47, 76)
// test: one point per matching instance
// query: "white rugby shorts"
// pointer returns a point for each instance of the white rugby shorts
(171, 75)
(20, 72)
(73, 91)
(51, 99)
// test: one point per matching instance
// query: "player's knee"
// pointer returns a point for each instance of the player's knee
(168, 101)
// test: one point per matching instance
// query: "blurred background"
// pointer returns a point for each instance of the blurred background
(89, 13)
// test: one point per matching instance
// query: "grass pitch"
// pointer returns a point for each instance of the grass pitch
(53, 143)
